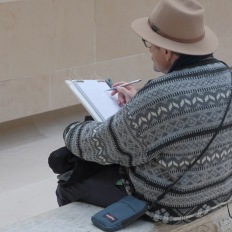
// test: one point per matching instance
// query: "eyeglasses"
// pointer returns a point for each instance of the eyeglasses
(146, 43)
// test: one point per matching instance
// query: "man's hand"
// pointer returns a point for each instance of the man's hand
(124, 93)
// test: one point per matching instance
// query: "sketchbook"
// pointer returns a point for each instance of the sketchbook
(98, 102)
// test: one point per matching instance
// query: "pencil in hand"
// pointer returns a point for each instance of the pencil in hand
(124, 85)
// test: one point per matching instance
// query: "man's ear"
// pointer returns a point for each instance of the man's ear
(168, 55)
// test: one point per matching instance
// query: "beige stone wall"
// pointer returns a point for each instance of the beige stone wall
(43, 42)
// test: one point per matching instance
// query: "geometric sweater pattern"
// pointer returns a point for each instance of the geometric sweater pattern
(159, 133)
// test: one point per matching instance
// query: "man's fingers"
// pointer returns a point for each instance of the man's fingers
(123, 90)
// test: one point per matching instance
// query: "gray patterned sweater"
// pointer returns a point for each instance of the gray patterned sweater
(159, 133)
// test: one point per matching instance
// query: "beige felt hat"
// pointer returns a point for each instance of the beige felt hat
(179, 26)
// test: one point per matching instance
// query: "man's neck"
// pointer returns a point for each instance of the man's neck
(184, 61)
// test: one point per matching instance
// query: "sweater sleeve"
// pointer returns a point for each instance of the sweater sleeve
(111, 142)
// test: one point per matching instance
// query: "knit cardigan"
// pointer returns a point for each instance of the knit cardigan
(159, 133)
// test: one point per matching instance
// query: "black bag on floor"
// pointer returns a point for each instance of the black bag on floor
(62, 160)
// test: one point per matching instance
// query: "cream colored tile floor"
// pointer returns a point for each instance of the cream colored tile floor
(27, 184)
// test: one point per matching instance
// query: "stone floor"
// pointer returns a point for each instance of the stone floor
(74, 217)
(27, 184)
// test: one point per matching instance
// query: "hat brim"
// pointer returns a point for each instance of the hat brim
(207, 45)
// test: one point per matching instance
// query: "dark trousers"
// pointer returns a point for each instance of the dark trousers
(91, 183)
(100, 189)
